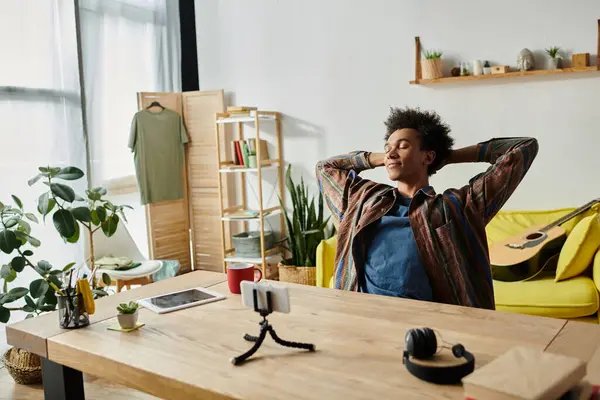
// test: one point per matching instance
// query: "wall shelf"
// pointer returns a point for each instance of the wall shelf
(516, 74)
(458, 79)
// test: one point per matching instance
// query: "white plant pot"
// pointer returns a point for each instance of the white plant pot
(128, 321)
(487, 70)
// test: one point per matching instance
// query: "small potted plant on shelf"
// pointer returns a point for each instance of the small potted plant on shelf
(555, 57)
(128, 314)
(306, 227)
(431, 66)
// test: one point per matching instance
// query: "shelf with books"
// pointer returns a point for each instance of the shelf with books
(249, 153)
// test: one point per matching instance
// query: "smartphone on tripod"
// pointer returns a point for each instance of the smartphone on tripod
(280, 297)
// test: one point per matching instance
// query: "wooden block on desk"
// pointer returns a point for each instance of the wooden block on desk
(500, 69)
(581, 60)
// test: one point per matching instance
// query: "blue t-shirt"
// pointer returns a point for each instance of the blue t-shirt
(392, 263)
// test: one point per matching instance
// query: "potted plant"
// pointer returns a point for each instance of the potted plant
(487, 69)
(431, 66)
(555, 57)
(128, 314)
(306, 227)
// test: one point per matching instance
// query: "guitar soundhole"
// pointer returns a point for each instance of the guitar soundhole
(533, 236)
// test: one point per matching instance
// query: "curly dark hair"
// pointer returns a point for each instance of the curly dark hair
(434, 133)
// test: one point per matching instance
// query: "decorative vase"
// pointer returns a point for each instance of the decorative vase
(252, 161)
(71, 312)
(487, 70)
(431, 68)
(554, 63)
(301, 275)
(128, 321)
(477, 67)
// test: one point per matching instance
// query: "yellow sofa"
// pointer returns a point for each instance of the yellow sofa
(574, 298)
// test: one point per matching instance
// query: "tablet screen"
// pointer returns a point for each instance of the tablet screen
(180, 298)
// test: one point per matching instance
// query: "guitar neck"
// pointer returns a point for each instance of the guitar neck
(571, 215)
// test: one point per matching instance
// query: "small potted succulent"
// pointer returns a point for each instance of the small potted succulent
(128, 314)
(555, 57)
(431, 66)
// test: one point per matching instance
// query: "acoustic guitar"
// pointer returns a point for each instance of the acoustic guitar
(523, 256)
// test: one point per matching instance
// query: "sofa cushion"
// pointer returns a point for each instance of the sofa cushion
(596, 270)
(571, 298)
(579, 249)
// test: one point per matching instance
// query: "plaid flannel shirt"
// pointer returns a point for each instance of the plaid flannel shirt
(449, 228)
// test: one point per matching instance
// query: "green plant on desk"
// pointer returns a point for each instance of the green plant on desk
(432, 54)
(553, 52)
(128, 308)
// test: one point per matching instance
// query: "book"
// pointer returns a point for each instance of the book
(234, 109)
(245, 153)
(234, 155)
(524, 373)
(238, 148)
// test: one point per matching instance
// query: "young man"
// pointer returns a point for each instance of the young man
(409, 241)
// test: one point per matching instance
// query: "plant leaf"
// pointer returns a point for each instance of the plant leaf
(9, 223)
(28, 253)
(38, 288)
(70, 173)
(16, 293)
(68, 267)
(25, 227)
(28, 308)
(82, 214)
(75, 237)
(106, 279)
(29, 301)
(101, 213)
(43, 267)
(94, 196)
(4, 271)
(4, 315)
(65, 223)
(100, 190)
(17, 201)
(33, 241)
(63, 191)
(33, 180)
(8, 241)
(48, 307)
(44, 203)
(31, 217)
(99, 293)
(109, 227)
(18, 264)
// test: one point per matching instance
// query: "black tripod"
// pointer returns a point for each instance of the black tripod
(264, 328)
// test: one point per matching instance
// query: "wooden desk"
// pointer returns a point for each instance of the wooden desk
(359, 340)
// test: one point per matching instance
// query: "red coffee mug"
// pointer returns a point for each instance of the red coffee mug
(236, 273)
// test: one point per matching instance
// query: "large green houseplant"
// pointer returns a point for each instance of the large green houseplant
(305, 228)
(69, 211)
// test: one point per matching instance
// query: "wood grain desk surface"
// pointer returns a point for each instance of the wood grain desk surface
(359, 340)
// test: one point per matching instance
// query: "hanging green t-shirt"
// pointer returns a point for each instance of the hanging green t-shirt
(157, 141)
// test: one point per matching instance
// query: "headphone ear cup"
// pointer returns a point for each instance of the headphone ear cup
(430, 341)
(410, 340)
(458, 350)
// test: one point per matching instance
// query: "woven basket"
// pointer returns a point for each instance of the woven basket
(24, 367)
(247, 244)
(301, 275)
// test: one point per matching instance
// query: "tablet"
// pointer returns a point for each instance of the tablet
(168, 302)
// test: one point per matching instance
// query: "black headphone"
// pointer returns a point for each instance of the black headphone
(422, 343)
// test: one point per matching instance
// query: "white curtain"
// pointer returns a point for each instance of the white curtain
(40, 111)
(129, 46)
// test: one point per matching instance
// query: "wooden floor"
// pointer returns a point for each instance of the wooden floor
(95, 389)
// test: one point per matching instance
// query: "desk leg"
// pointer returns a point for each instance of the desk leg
(60, 382)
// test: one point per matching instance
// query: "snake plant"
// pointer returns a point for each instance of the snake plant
(306, 226)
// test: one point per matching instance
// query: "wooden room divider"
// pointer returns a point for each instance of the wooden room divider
(188, 229)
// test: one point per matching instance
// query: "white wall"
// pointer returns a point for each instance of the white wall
(334, 67)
